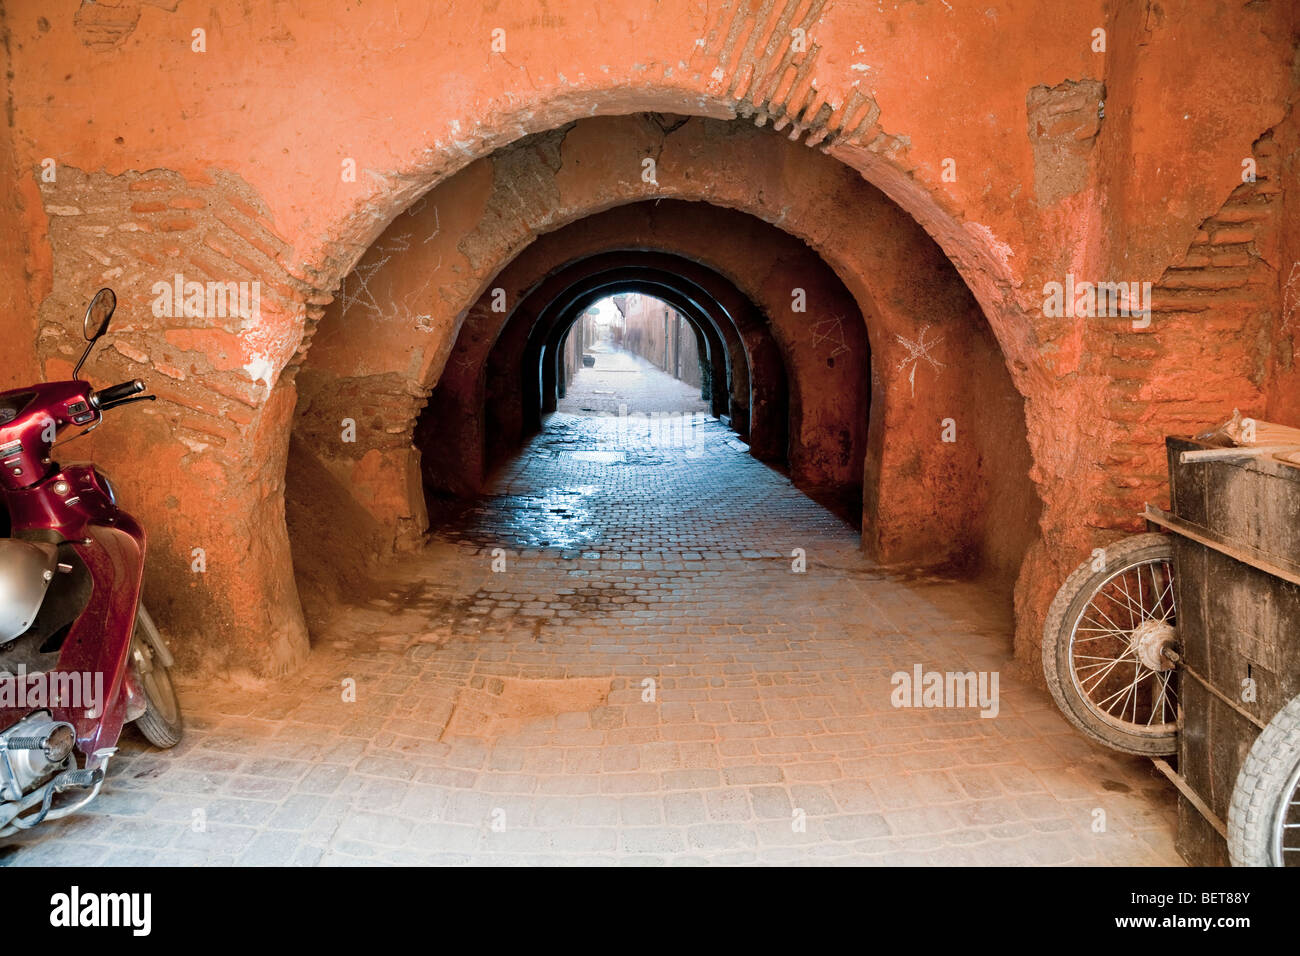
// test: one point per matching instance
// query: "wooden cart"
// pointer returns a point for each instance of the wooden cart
(1235, 519)
(1186, 641)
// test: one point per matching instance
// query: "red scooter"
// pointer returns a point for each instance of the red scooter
(79, 655)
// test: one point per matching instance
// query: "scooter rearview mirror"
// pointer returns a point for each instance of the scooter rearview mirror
(95, 324)
(98, 313)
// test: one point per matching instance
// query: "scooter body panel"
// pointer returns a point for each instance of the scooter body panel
(97, 649)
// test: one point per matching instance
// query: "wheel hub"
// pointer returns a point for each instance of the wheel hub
(1149, 641)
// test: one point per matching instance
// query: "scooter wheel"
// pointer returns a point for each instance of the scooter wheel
(161, 723)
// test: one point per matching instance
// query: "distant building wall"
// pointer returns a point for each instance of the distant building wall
(658, 333)
(581, 335)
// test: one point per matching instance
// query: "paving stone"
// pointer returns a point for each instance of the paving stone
(856, 826)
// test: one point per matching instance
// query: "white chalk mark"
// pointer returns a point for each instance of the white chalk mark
(1290, 296)
(918, 352)
(831, 330)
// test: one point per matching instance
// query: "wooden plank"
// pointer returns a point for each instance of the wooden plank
(1186, 485)
(1246, 555)
(1260, 432)
(1193, 797)
(1238, 452)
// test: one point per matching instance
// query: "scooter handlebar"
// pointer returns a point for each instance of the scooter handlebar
(107, 397)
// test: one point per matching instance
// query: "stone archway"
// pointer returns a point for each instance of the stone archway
(543, 352)
(685, 285)
(908, 279)
(904, 527)
(754, 155)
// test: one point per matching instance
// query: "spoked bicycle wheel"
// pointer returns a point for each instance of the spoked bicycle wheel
(1104, 647)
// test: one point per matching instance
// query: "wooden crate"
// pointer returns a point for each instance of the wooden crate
(1236, 620)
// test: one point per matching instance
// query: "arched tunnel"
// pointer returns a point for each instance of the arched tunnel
(792, 354)
(613, 421)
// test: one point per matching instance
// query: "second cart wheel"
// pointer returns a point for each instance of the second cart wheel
(1264, 816)
(1104, 646)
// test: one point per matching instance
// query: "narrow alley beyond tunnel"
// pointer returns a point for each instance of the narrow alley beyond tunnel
(641, 646)
(621, 382)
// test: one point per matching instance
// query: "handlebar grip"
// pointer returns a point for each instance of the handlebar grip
(115, 393)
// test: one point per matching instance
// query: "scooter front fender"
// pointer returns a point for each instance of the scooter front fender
(99, 643)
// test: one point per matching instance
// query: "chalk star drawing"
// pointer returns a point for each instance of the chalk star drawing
(356, 290)
(918, 352)
(830, 330)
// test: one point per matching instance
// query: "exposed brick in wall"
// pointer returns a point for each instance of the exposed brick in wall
(135, 230)
(766, 61)
(103, 26)
(1205, 352)
(218, 378)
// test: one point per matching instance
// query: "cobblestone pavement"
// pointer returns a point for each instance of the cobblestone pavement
(645, 679)
(623, 379)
